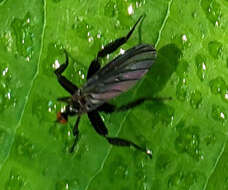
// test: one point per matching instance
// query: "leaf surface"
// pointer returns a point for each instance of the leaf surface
(187, 134)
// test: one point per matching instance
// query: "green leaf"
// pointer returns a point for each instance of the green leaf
(187, 135)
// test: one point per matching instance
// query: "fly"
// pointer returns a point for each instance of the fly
(103, 84)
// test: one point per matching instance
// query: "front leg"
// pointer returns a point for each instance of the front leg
(64, 82)
(75, 133)
(109, 48)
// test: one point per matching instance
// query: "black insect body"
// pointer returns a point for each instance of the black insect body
(103, 84)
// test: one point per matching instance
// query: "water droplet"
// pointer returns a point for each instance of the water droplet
(215, 49)
(51, 107)
(62, 185)
(210, 139)
(40, 107)
(7, 40)
(16, 181)
(130, 9)
(196, 99)
(182, 89)
(7, 97)
(213, 11)
(110, 9)
(188, 141)
(55, 57)
(224, 94)
(165, 115)
(23, 147)
(201, 66)
(182, 41)
(194, 14)
(182, 69)
(63, 134)
(218, 113)
(217, 85)
(82, 28)
(184, 38)
(118, 169)
(22, 31)
(78, 75)
(182, 179)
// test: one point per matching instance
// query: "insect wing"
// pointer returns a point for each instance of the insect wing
(119, 75)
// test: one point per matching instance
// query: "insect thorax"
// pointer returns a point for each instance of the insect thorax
(78, 102)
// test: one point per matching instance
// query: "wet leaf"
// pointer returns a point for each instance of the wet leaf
(187, 135)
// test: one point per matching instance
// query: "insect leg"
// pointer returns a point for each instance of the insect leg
(122, 142)
(111, 47)
(93, 68)
(75, 133)
(97, 123)
(107, 108)
(100, 128)
(140, 101)
(64, 82)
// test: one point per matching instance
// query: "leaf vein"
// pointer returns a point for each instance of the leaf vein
(128, 112)
(216, 163)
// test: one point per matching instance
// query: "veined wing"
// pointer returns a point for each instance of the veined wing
(119, 75)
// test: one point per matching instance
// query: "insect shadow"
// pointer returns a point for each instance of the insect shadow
(103, 84)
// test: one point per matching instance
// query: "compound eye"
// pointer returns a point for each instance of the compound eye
(61, 118)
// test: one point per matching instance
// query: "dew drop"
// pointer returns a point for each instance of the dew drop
(62, 185)
(196, 99)
(7, 97)
(23, 147)
(210, 139)
(188, 141)
(82, 28)
(67, 185)
(79, 73)
(16, 181)
(7, 39)
(130, 9)
(184, 38)
(215, 49)
(213, 11)
(55, 57)
(182, 69)
(51, 107)
(22, 31)
(224, 94)
(182, 89)
(201, 66)
(217, 85)
(56, 64)
(118, 170)
(194, 14)
(39, 106)
(182, 180)
(182, 41)
(218, 113)
(165, 115)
